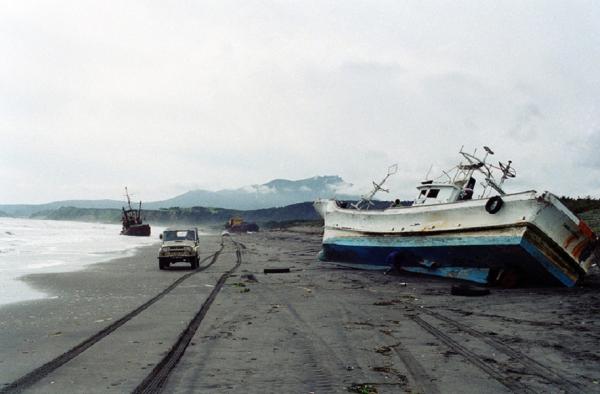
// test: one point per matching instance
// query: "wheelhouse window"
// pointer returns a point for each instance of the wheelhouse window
(433, 193)
(179, 236)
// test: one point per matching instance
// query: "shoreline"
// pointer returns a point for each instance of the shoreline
(39, 281)
(39, 246)
(29, 283)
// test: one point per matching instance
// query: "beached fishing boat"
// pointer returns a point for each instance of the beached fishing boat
(493, 238)
(132, 220)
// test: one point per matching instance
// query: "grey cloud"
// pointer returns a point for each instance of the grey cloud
(588, 151)
(525, 122)
(241, 93)
(373, 70)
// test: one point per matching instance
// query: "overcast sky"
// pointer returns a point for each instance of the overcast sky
(170, 96)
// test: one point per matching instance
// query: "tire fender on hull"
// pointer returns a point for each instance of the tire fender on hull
(494, 204)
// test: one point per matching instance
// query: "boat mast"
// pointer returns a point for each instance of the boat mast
(366, 199)
(483, 167)
(128, 199)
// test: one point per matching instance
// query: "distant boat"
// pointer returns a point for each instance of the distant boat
(495, 238)
(132, 220)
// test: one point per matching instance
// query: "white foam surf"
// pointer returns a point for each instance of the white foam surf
(30, 246)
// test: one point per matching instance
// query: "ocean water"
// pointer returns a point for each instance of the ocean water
(39, 246)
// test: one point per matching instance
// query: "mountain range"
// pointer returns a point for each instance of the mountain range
(276, 193)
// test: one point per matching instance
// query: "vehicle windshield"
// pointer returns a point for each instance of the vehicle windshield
(179, 235)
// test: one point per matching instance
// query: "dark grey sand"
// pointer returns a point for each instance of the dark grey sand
(316, 329)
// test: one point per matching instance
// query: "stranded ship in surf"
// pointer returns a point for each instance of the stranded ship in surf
(454, 230)
(132, 220)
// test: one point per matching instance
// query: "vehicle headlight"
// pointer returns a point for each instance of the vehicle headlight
(188, 249)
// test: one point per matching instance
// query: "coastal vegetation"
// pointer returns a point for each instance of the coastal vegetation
(581, 204)
(194, 215)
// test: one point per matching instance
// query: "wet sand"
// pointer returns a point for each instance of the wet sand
(318, 328)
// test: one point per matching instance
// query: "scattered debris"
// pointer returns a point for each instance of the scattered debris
(395, 301)
(249, 278)
(384, 303)
(276, 270)
(386, 349)
(391, 371)
(366, 324)
(384, 369)
(449, 353)
(464, 289)
(363, 388)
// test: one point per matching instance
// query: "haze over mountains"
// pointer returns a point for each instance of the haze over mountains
(276, 193)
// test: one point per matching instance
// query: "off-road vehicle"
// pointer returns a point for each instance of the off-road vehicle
(179, 245)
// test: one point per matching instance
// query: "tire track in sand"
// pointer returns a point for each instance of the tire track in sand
(156, 379)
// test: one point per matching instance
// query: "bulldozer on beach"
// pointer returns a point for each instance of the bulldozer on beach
(237, 225)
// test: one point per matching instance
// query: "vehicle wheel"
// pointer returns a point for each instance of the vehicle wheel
(162, 264)
(195, 263)
(494, 204)
(469, 290)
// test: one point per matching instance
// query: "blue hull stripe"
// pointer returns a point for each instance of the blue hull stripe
(425, 241)
(478, 275)
(547, 264)
(513, 252)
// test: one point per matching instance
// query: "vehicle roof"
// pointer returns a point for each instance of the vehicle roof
(182, 229)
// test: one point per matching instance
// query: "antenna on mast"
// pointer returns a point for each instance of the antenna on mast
(128, 199)
(366, 199)
(481, 165)
(428, 171)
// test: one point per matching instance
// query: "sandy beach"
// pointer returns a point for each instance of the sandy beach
(318, 328)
